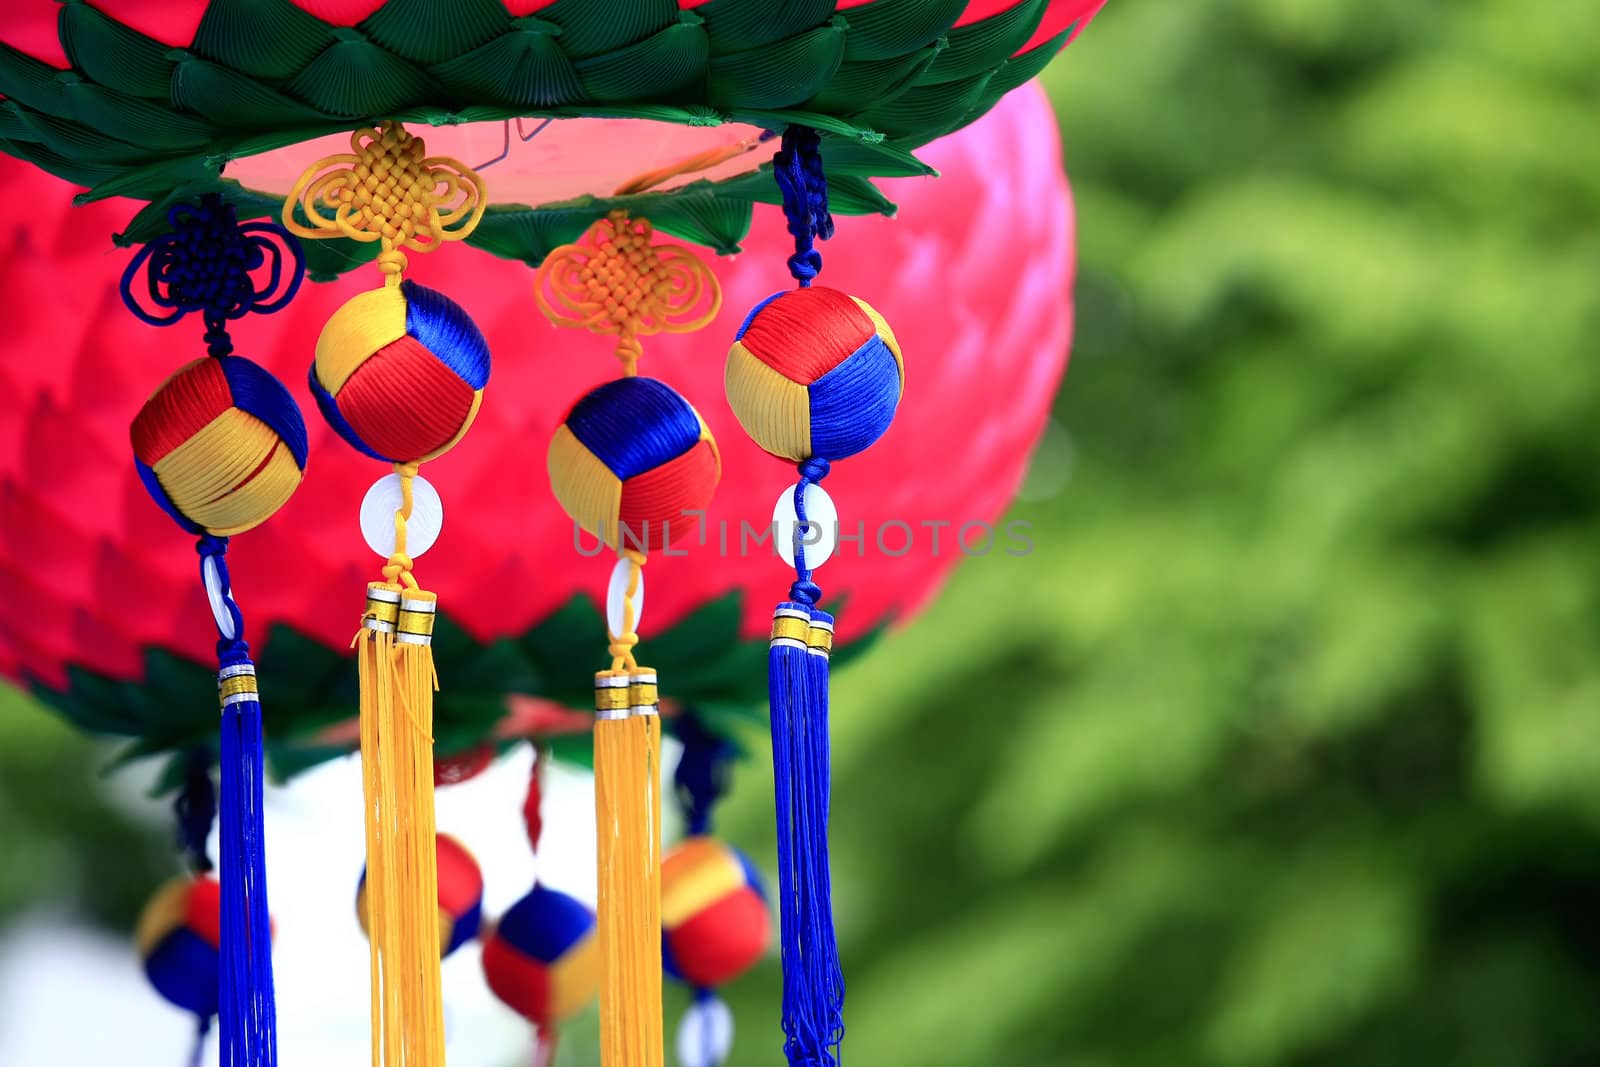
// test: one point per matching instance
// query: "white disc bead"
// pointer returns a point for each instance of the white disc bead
(378, 509)
(705, 1035)
(617, 596)
(821, 535)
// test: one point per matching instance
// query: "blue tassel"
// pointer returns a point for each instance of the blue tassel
(246, 1006)
(813, 982)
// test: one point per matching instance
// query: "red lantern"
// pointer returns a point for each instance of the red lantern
(975, 273)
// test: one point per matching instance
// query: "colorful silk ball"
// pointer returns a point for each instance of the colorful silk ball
(814, 373)
(630, 459)
(460, 896)
(400, 372)
(178, 935)
(714, 921)
(220, 445)
(543, 959)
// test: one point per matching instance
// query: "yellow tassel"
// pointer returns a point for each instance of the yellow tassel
(627, 747)
(397, 676)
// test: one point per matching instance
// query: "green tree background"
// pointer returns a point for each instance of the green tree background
(1283, 748)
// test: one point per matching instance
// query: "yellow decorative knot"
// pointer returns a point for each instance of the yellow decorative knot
(385, 189)
(615, 280)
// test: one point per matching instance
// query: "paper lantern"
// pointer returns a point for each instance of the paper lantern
(108, 592)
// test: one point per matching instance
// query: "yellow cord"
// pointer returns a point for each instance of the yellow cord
(386, 189)
(616, 280)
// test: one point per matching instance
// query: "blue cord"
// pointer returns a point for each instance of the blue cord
(702, 774)
(246, 1004)
(208, 264)
(804, 590)
(798, 170)
(196, 809)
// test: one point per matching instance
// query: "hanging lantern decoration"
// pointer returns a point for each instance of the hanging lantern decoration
(179, 937)
(632, 463)
(460, 896)
(152, 102)
(180, 930)
(221, 446)
(105, 617)
(714, 920)
(542, 959)
(399, 374)
(814, 376)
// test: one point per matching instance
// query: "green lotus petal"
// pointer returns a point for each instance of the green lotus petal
(719, 222)
(428, 32)
(857, 196)
(72, 170)
(356, 78)
(523, 68)
(114, 55)
(518, 232)
(72, 140)
(891, 28)
(33, 84)
(328, 258)
(983, 45)
(739, 25)
(880, 160)
(778, 75)
(229, 98)
(157, 126)
(657, 66)
(879, 80)
(1019, 69)
(589, 29)
(270, 39)
(152, 181)
(936, 106)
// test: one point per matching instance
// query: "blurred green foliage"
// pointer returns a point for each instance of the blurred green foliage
(1284, 748)
(68, 844)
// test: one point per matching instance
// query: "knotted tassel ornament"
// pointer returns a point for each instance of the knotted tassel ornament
(714, 920)
(814, 376)
(221, 446)
(630, 464)
(399, 374)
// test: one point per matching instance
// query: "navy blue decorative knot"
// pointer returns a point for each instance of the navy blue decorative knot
(196, 808)
(212, 264)
(798, 169)
(703, 771)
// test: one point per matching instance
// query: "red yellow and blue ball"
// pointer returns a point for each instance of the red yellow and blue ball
(543, 957)
(460, 895)
(630, 458)
(399, 372)
(220, 445)
(178, 937)
(714, 919)
(814, 373)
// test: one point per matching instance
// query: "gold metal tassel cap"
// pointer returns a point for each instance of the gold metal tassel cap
(790, 626)
(383, 608)
(612, 695)
(415, 623)
(643, 696)
(819, 638)
(237, 684)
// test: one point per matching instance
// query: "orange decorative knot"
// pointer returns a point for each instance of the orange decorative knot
(385, 189)
(616, 281)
